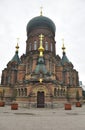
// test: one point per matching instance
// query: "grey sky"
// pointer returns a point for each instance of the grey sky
(68, 16)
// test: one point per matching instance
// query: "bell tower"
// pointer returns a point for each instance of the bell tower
(36, 26)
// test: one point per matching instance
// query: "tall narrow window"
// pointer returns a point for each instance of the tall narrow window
(18, 92)
(51, 47)
(30, 46)
(55, 92)
(8, 79)
(50, 66)
(46, 45)
(22, 92)
(35, 45)
(25, 91)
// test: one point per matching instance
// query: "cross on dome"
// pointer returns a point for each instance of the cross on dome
(63, 47)
(41, 36)
(17, 46)
(41, 10)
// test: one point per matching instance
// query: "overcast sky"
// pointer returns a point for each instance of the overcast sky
(68, 16)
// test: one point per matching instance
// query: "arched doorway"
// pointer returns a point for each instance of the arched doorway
(40, 99)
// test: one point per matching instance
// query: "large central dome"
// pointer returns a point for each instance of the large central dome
(41, 22)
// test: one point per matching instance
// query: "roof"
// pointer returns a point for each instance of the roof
(16, 58)
(41, 21)
(40, 68)
(64, 59)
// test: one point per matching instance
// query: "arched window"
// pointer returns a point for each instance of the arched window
(22, 92)
(55, 91)
(9, 79)
(58, 92)
(46, 45)
(18, 92)
(51, 47)
(30, 46)
(35, 45)
(64, 91)
(25, 91)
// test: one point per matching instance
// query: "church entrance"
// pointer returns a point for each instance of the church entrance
(40, 100)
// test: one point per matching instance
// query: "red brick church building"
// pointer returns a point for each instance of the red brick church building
(39, 78)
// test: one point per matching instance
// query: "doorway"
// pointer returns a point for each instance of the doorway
(40, 100)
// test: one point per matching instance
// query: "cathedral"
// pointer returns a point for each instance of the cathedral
(40, 78)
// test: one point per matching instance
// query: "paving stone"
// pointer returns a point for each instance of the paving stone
(42, 119)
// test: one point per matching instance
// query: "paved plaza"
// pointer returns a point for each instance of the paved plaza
(42, 119)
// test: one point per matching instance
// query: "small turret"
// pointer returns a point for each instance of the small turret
(16, 57)
(64, 57)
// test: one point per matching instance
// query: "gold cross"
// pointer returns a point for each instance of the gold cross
(41, 10)
(41, 36)
(40, 80)
(17, 46)
(63, 47)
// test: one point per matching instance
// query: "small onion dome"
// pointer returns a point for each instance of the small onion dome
(40, 22)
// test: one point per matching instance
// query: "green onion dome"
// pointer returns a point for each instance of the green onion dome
(40, 22)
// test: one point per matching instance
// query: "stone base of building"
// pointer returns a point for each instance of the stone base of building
(34, 105)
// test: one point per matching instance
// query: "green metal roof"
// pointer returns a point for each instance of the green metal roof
(40, 66)
(64, 59)
(41, 21)
(16, 58)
